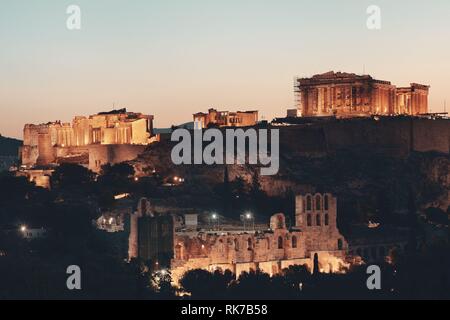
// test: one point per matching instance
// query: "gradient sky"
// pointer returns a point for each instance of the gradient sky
(173, 58)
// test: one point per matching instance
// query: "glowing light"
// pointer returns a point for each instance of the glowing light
(136, 179)
(248, 215)
(23, 228)
(121, 196)
(214, 216)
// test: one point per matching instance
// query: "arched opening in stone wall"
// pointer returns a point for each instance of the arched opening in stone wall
(221, 246)
(309, 220)
(280, 222)
(280, 242)
(318, 220)
(325, 202)
(236, 244)
(308, 203)
(318, 202)
(249, 244)
(340, 244)
(327, 219)
(294, 242)
(179, 252)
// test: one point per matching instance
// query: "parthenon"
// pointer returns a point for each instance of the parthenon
(347, 94)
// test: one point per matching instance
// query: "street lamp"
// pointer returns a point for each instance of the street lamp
(248, 218)
(214, 220)
(23, 228)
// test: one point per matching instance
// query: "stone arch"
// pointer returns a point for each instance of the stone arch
(294, 241)
(309, 220)
(280, 222)
(318, 202)
(326, 202)
(221, 246)
(179, 252)
(340, 244)
(236, 244)
(280, 242)
(308, 202)
(327, 219)
(249, 244)
(318, 220)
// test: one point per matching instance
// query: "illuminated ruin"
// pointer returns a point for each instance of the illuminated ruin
(347, 94)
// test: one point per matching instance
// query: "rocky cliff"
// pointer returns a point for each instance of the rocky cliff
(372, 166)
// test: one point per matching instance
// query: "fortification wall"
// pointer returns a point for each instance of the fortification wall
(46, 150)
(431, 135)
(390, 136)
(28, 155)
(62, 152)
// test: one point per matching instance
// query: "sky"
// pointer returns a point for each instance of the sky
(172, 58)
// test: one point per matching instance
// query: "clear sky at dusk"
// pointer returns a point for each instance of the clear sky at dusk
(173, 58)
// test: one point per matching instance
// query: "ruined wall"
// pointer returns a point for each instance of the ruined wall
(102, 154)
(45, 147)
(316, 216)
(28, 155)
(269, 251)
(139, 132)
(62, 152)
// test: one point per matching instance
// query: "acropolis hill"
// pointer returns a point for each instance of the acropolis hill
(319, 153)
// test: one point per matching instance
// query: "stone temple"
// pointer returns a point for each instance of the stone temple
(347, 94)
(106, 137)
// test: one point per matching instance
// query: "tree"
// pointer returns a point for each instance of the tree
(119, 171)
(14, 188)
(253, 285)
(117, 176)
(71, 175)
(296, 276)
(198, 283)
